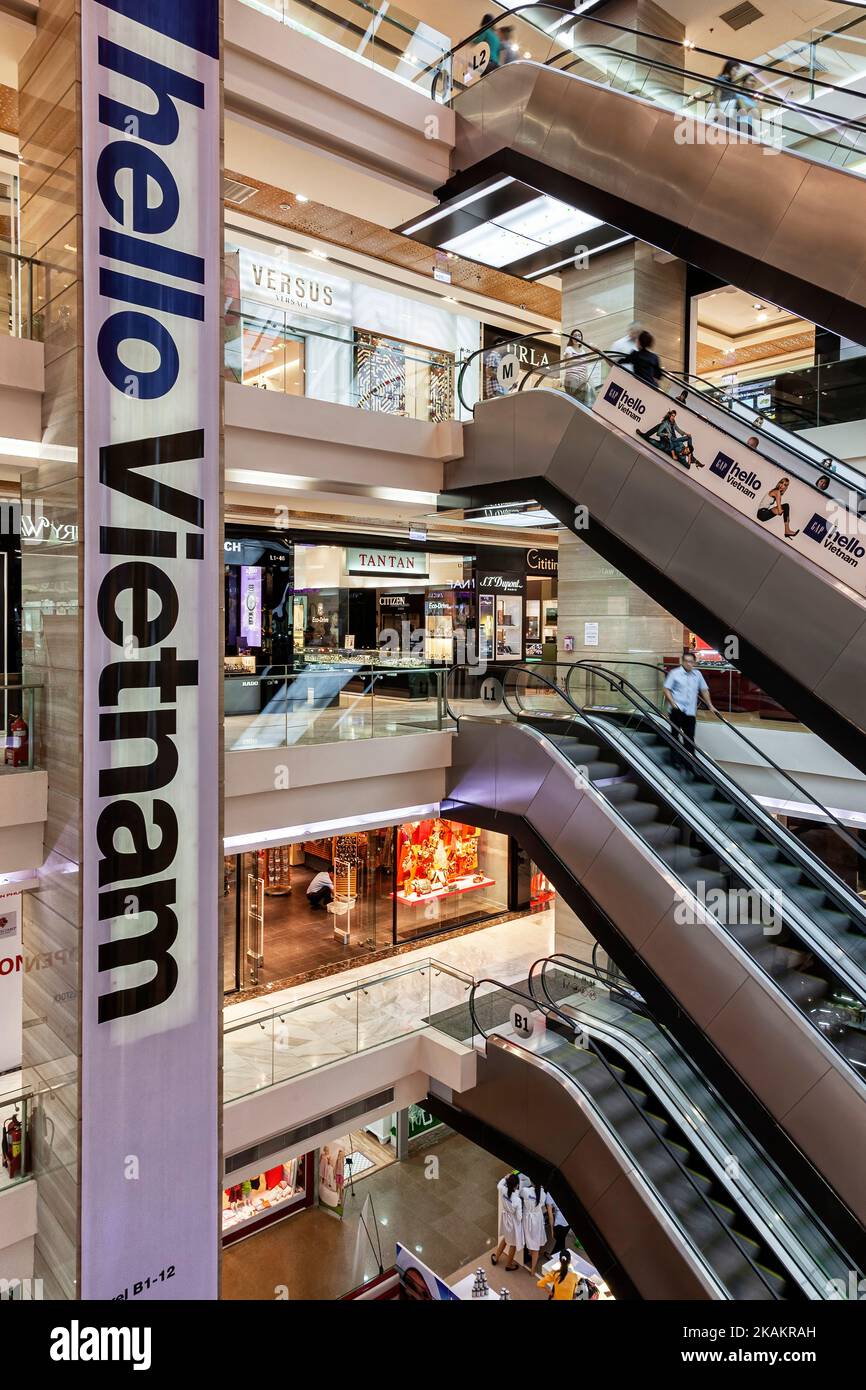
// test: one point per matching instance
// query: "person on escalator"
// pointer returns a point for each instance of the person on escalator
(725, 91)
(490, 36)
(643, 361)
(684, 687)
(626, 344)
(668, 437)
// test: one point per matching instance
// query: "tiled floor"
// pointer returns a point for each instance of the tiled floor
(445, 1212)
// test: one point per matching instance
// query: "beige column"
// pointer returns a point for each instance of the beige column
(632, 283)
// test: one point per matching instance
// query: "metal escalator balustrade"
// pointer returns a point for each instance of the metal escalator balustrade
(763, 101)
(801, 928)
(589, 996)
(738, 1262)
(744, 549)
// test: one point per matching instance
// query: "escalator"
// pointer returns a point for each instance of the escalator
(755, 179)
(749, 949)
(748, 538)
(670, 1196)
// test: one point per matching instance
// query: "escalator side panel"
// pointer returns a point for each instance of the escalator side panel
(801, 232)
(732, 566)
(763, 1038)
(518, 1095)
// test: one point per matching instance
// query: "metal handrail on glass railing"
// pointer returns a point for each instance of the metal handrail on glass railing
(331, 703)
(379, 36)
(587, 1043)
(18, 713)
(259, 1050)
(396, 370)
(21, 314)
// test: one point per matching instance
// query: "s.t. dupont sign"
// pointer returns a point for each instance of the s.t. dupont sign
(151, 210)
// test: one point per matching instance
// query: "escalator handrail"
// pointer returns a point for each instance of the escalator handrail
(619, 359)
(553, 1009)
(731, 89)
(520, 12)
(495, 347)
(614, 678)
(851, 903)
(575, 966)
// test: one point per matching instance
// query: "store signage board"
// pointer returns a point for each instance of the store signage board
(401, 564)
(590, 634)
(827, 534)
(150, 1011)
(284, 284)
(542, 562)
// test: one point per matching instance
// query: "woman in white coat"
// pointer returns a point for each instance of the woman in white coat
(536, 1206)
(510, 1220)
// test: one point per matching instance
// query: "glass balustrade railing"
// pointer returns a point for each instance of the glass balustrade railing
(15, 1117)
(291, 1040)
(802, 397)
(332, 703)
(273, 350)
(25, 287)
(379, 36)
(18, 710)
(747, 101)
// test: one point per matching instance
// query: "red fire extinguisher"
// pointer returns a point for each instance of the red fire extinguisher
(18, 743)
(12, 1146)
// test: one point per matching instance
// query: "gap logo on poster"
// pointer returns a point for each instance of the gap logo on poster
(846, 548)
(743, 479)
(632, 406)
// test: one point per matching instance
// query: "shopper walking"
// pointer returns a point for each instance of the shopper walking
(559, 1227)
(643, 361)
(536, 1218)
(683, 687)
(562, 1282)
(510, 1221)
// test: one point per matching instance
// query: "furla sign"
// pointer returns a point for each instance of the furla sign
(152, 305)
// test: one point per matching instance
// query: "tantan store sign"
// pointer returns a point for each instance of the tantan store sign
(404, 563)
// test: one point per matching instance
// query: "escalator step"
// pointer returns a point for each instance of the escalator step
(640, 812)
(659, 833)
(599, 771)
(622, 792)
(576, 751)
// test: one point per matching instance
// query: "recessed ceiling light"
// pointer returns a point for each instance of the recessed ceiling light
(318, 255)
(301, 198)
(757, 306)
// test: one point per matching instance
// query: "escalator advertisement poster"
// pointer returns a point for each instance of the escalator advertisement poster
(818, 525)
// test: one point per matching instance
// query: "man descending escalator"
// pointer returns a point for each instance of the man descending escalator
(684, 686)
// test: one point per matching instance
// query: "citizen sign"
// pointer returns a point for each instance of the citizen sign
(151, 198)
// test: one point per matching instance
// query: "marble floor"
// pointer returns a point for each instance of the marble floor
(446, 1212)
(305, 1027)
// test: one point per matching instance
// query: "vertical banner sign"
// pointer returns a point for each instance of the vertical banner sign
(152, 200)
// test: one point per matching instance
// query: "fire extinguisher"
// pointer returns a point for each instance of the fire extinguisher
(18, 743)
(12, 1146)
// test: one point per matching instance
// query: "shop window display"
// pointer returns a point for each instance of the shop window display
(269, 1196)
(447, 874)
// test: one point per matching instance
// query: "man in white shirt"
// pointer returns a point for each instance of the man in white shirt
(684, 686)
(320, 891)
(628, 343)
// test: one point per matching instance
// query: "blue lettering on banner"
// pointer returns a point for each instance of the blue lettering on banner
(195, 25)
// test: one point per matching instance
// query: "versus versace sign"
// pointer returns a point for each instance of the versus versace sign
(152, 307)
(815, 524)
(272, 280)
